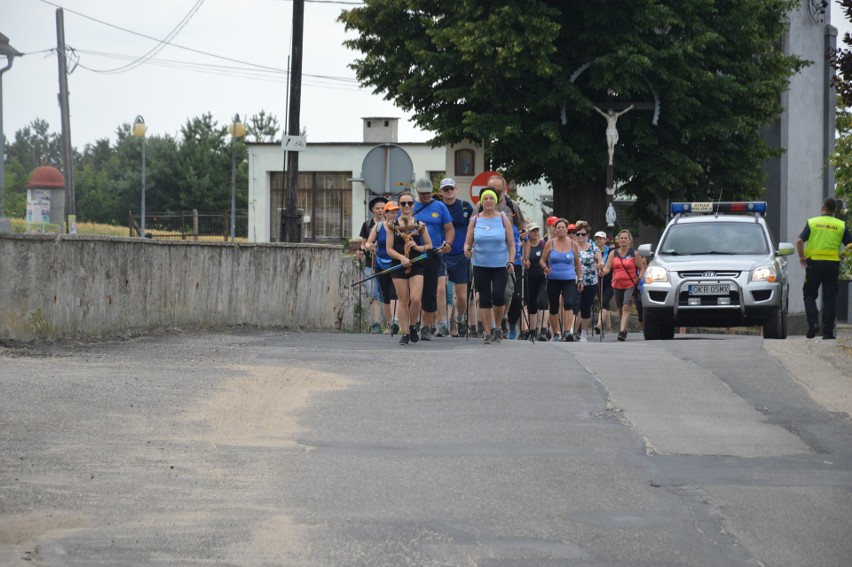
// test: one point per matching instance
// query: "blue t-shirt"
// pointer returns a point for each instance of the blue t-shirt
(561, 265)
(382, 258)
(490, 249)
(434, 215)
(461, 218)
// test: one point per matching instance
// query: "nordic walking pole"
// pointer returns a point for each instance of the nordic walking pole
(600, 305)
(361, 299)
(393, 268)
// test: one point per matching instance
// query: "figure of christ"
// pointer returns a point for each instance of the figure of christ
(611, 117)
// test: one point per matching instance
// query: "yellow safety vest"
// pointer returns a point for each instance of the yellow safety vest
(825, 238)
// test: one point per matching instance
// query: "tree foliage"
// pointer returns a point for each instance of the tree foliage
(500, 73)
(181, 174)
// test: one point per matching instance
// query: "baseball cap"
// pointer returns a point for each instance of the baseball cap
(551, 221)
(600, 234)
(423, 185)
(533, 226)
(572, 226)
(379, 199)
(391, 206)
(447, 182)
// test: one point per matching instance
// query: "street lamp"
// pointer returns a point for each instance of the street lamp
(139, 130)
(236, 130)
(10, 53)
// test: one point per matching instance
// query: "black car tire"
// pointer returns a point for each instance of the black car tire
(776, 326)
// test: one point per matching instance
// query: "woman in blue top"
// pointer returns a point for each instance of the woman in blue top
(491, 244)
(561, 263)
(377, 243)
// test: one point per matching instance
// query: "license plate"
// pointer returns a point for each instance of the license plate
(717, 289)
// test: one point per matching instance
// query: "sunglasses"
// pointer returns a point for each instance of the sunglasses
(447, 189)
(582, 233)
(406, 203)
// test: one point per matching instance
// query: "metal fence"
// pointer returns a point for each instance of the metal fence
(190, 225)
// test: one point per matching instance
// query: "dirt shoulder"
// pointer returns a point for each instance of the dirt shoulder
(824, 368)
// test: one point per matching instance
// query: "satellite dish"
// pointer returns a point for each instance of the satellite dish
(387, 169)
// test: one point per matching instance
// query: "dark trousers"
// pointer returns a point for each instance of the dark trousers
(491, 285)
(432, 267)
(823, 273)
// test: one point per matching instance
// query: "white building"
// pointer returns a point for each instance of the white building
(332, 190)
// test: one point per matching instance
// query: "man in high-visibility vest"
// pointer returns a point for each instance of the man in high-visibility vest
(821, 260)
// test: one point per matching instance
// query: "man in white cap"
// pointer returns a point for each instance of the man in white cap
(439, 223)
(456, 265)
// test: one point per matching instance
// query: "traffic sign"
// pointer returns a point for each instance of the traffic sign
(478, 183)
(294, 143)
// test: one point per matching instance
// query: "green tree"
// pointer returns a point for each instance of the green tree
(502, 74)
(262, 127)
(204, 162)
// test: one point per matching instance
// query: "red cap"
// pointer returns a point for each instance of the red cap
(551, 221)
(572, 226)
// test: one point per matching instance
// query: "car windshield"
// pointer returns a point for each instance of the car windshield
(690, 239)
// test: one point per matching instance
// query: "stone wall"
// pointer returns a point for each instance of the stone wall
(56, 288)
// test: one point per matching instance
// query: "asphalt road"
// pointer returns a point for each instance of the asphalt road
(273, 448)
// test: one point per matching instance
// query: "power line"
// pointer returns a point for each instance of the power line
(208, 54)
(157, 48)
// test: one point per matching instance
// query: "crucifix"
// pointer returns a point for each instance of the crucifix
(609, 110)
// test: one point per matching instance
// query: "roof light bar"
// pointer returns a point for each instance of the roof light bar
(720, 207)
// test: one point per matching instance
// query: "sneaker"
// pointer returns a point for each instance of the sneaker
(377, 329)
(584, 337)
(542, 335)
(828, 337)
(426, 334)
(486, 340)
(812, 331)
(496, 335)
(404, 340)
(597, 330)
(462, 327)
(569, 338)
(622, 335)
(394, 328)
(555, 338)
(413, 333)
(474, 332)
(480, 330)
(513, 332)
(525, 335)
(454, 329)
(442, 331)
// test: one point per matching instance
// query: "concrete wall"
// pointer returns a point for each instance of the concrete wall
(95, 287)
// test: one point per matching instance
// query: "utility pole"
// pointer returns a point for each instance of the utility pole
(67, 149)
(292, 221)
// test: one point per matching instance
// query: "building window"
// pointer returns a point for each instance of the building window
(325, 198)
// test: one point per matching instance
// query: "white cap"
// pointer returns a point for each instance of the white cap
(600, 233)
(423, 185)
(447, 182)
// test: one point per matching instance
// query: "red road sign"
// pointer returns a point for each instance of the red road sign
(478, 183)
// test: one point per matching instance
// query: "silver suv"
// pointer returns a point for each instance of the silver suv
(716, 265)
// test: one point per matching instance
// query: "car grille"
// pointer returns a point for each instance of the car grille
(709, 274)
(683, 299)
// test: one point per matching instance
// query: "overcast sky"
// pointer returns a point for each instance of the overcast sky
(176, 84)
(111, 85)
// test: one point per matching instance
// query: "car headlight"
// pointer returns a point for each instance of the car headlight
(764, 274)
(656, 274)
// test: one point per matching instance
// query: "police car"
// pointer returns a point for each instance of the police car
(716, 265)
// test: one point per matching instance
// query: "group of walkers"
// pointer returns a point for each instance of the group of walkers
(447, 253)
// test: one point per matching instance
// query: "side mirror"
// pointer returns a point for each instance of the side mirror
(785, 249)
(645, 250)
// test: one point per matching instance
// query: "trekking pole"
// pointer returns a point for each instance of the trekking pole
(470, 296)
(361, 299)
(600, 306)
(525, 302)
(393, 316)
(394, 268)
